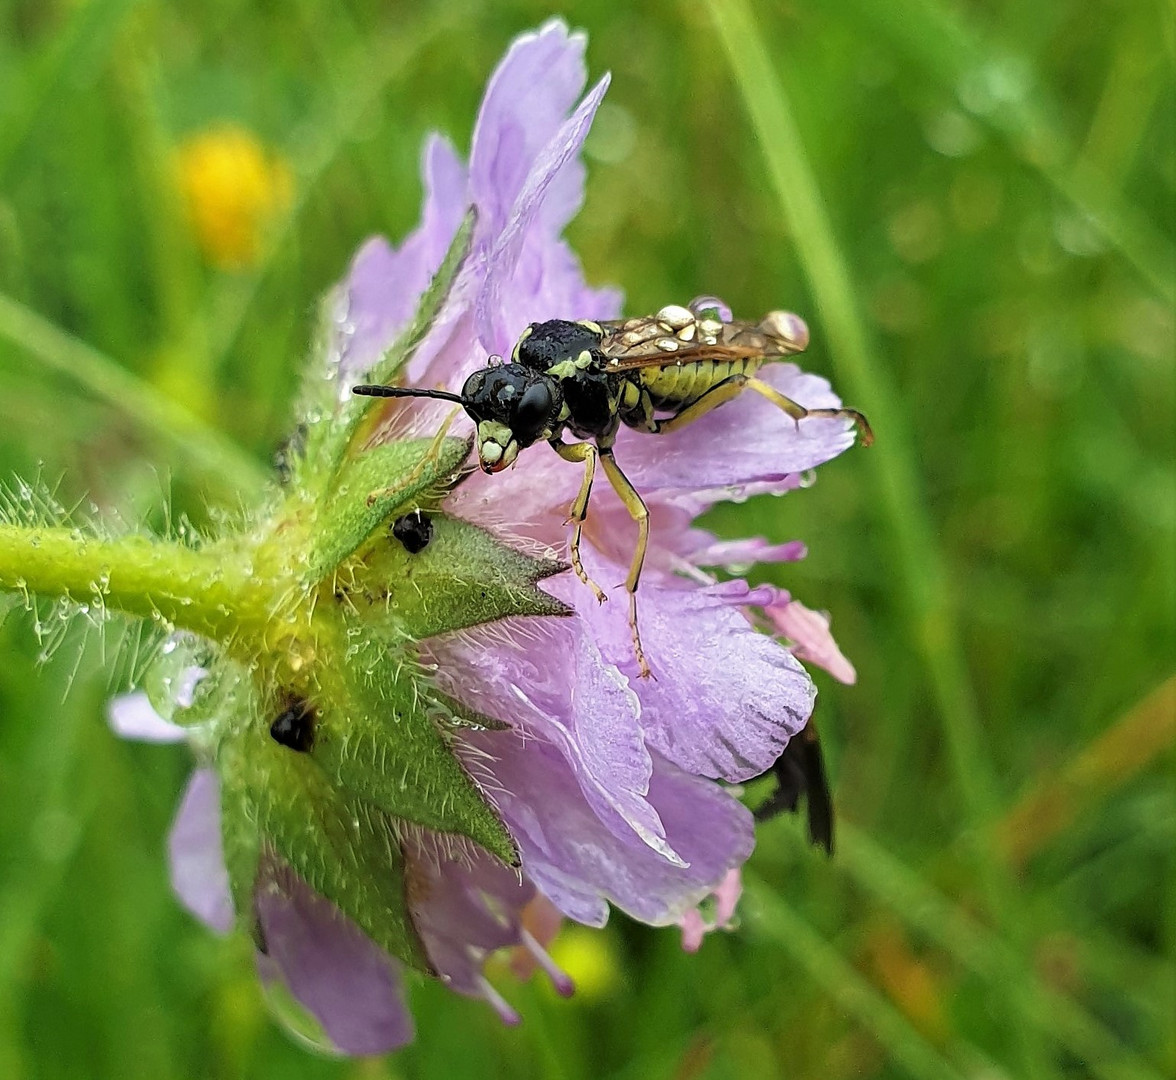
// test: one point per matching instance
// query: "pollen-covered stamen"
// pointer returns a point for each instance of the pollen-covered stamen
(559, 978)
(500, 1005)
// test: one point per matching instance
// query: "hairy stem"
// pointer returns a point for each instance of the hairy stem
(202, 591)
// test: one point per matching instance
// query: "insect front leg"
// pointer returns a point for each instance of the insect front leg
(640, 514)
(587, 453)
(734, 385)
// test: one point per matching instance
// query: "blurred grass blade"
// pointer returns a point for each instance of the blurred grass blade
(80, 46)
(933, 35)
(928, 911)
(925, 582)
(845, 985)
(1138, 737)
(218, 458)
(924, 588)
(369, 70)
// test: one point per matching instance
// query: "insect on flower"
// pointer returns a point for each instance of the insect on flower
(655, 374)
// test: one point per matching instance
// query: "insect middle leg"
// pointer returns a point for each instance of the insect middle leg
(588, 454)
(640, 514)
(732, 386)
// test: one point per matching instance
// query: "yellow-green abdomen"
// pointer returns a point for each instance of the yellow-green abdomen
(678, 385)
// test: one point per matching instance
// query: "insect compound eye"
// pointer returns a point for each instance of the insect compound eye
(535, 406)
(473, 389)
(414, 530)
(294, 727)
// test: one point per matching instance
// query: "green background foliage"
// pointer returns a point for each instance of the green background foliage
(972, 204)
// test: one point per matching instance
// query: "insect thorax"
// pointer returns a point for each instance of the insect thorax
(592, 398)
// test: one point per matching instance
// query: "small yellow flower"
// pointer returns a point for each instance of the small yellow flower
(234, 189)
(590, 958)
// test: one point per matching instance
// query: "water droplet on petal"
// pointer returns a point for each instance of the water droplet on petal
(298, 1023)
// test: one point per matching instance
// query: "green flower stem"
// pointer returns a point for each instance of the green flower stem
(208, 592)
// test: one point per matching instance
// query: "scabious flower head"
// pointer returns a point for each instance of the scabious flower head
(339, 829)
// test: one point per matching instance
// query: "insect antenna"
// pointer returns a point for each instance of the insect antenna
(367, 390)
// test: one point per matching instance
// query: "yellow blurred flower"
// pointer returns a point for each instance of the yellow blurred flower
(234, 189)
(590, 958)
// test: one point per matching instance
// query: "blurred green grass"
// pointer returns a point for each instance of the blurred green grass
(974, 210)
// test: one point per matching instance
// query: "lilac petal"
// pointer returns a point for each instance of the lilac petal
(381, 290)
(724, 699)
(580, 865)
(562, 149)
(198, 872)
(813, 643)
(588, 715)
(729, 553)
(528, 96)
(334, 970)
(465, 904)
(759, 442)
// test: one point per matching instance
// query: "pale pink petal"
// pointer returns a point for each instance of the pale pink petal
(812, 640)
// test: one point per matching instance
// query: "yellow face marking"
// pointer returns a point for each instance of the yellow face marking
(491, 431)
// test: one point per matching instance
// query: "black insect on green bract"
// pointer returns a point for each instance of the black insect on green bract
(294, 726)
(414, 530)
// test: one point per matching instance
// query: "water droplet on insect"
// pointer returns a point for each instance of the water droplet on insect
(711, 305)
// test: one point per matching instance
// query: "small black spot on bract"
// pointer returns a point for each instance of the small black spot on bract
(294, 727)
(414, 530)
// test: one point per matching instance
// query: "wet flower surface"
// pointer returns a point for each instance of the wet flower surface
(606, 782)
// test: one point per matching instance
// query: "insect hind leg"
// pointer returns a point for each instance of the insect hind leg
(732, 386)
(799, 412)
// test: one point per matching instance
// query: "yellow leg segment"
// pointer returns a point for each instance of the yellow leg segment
(640, 514)
(586, 453)
(733, 386)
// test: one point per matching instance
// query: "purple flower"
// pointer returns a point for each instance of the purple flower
(606, 781)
